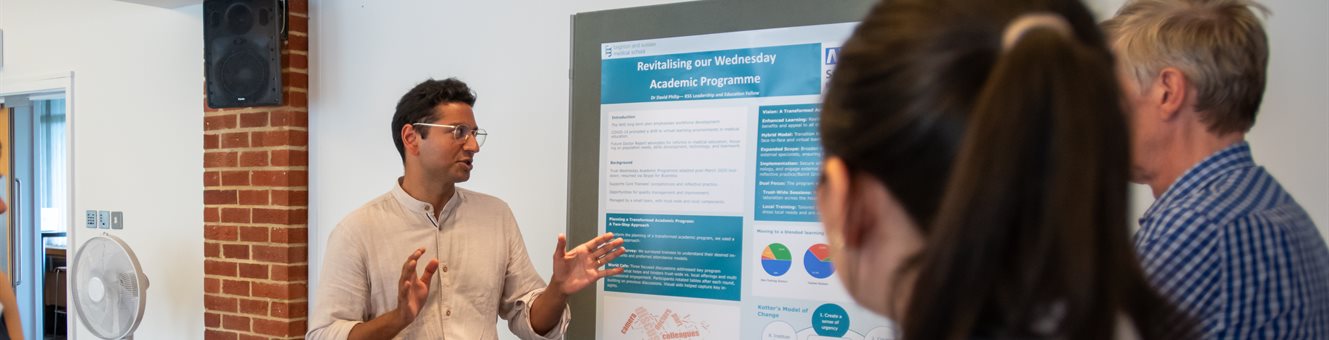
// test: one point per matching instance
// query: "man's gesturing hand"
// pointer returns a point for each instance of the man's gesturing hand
(413, 290)
(579, 267)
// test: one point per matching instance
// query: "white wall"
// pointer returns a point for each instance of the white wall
(366, 54)
(1291, 134)
(138, 120)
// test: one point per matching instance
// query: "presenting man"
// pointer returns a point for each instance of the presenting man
(371, 286)
(1223, 241)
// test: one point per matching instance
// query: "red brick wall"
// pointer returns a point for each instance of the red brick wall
(255, 206)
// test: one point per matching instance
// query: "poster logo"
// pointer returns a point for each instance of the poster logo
(609, 51)
(832, 55)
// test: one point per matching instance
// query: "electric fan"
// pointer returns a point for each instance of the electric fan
(109, 287)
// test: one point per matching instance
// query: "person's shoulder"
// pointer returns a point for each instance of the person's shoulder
(1190, 214)
(481, 199)
(367, 214)
(1243, 195)
(1241, 209)
(1184, 228)
(1251, 188)
(1223, 198)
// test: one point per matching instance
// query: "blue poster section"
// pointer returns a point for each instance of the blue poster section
(740, 73)
(678, 255)
(788, 163)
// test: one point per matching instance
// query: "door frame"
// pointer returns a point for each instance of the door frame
(37, 84)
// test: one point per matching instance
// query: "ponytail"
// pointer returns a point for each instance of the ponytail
(1034, 214)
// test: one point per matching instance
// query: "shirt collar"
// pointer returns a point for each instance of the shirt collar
(424, 209)
(1234, 157)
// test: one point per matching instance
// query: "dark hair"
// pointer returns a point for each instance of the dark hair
(1014, 165)
(418, 106)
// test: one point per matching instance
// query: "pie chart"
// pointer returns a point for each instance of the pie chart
(775, 259)
(817, 260)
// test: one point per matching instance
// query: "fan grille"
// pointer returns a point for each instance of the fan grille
(108, 287)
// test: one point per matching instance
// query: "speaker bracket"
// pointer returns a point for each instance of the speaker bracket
(285, 18)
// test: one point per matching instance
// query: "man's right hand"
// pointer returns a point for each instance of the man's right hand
(412, 291)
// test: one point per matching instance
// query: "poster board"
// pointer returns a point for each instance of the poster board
(693, 135)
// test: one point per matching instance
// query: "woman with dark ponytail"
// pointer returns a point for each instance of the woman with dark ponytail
(975, 180)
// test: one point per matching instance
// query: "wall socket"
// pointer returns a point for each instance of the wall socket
(117, 220)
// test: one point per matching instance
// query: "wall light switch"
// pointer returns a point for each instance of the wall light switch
(92, 219)
(117, 220)
(103, 219)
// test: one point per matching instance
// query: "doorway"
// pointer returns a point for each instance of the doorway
(34, 160)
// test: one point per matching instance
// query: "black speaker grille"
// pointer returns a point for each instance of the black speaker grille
(242, 44)
(244, 74)
(239, 19)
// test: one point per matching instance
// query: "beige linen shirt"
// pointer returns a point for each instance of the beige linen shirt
(483, 273)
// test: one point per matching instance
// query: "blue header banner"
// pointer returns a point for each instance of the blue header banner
(789, 70)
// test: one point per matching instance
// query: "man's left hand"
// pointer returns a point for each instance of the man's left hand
(579, 267)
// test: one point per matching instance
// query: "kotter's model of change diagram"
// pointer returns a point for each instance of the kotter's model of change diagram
(709, 157)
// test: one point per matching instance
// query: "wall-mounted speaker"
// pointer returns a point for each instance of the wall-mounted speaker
(242, 52)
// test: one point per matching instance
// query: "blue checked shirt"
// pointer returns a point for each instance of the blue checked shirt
(1232, 249)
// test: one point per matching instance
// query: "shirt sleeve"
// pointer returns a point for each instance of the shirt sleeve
(343, 288)
(521, 286)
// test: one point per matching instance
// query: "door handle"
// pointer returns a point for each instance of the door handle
(18, 233)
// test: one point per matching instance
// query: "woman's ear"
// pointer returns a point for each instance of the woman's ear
(868, 201)
(854, 204)
(837, 203)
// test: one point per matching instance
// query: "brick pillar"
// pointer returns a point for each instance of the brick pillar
(255, 206)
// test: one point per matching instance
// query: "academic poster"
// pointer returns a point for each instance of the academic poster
(709, 161)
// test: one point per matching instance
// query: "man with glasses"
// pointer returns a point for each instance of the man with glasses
(480, 271)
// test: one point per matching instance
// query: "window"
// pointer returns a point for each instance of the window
(52, 169)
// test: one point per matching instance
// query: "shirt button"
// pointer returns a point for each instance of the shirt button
(449, 313)
(445, 268)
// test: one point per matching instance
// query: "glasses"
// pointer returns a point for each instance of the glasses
(461, 132)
